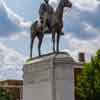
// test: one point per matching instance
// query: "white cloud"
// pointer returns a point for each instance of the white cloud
(11, 23)
(86, 4)
(75, 46)
(81, 4)
(11, 63)
(17, 19)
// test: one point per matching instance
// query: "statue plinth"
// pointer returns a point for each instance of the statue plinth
(50, 77)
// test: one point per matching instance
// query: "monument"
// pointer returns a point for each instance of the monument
(49, 76)
(51, 19)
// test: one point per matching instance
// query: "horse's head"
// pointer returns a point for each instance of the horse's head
(67, 3)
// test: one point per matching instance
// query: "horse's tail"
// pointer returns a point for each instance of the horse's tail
(33, 27)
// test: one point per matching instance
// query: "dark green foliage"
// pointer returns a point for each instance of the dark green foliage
(88, 83)
(5, 95)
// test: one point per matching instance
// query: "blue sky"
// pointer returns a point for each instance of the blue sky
(81, 28)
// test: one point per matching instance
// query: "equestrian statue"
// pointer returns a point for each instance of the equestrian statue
(50, 22)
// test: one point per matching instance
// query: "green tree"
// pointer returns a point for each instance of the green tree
(88, 83)
(5, 95)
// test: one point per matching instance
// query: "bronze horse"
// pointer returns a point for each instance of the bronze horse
(56, 22)
(55, 25)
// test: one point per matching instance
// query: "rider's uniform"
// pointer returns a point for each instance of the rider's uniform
(44, 12)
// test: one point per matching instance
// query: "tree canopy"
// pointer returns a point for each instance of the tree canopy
(5, 95)
(88, 83)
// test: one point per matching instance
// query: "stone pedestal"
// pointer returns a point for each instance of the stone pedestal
(50, 77)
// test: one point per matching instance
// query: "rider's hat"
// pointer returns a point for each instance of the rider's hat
(46, 1)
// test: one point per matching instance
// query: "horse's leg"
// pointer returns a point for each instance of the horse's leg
(31, 42)
(40, 37)
(31, 46)
(53, 40)
(58, 39)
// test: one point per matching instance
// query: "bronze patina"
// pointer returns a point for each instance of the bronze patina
(50, 21)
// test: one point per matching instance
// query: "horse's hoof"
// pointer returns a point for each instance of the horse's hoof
(40, 55)
(57, 52)
(54, 50)
(29, 59)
